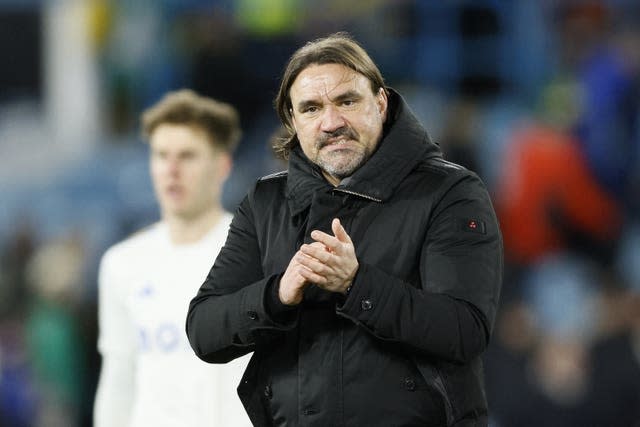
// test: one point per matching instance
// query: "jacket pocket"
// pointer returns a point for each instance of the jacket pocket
(436, 383)
(461, 388)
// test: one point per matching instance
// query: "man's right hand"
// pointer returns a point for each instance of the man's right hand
(296, 278)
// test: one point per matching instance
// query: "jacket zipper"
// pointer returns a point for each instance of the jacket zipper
(353, 193)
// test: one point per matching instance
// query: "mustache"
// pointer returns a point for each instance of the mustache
(344, 131)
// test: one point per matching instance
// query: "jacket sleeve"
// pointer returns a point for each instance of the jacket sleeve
(451, 315)
(229, 313)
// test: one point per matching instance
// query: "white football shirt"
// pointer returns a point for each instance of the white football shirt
(150, 374)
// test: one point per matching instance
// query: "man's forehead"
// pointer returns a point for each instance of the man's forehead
(178, 136)
(326, 80)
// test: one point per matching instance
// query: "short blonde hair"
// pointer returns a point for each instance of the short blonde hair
(218, 120)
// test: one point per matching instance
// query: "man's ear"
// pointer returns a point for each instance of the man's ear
(225, 163)
(382, 102)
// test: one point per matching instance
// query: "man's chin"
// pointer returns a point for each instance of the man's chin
(342, 164)
(176, 211)
(341, 171)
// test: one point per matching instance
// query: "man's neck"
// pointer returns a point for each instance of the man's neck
(190, 230)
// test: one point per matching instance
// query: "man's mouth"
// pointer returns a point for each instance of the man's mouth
(339, 137)
(334, 141)
(174, 190)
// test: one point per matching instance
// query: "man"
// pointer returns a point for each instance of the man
(366, 278)
(149, 375)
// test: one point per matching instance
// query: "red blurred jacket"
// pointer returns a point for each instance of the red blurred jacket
(545, 183)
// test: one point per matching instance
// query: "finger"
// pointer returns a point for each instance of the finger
(319, 246)
(292, 276)
(312, 277)
(312, 264)
(317, 250)
(328, 240)
(339, 231)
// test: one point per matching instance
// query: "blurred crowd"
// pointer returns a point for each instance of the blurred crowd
(540, 98)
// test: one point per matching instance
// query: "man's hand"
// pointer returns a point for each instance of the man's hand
(330, 262)
(293, 281)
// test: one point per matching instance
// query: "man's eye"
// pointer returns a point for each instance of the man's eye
(348, 102)
(310, 110)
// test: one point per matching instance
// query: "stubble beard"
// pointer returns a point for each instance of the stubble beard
(341, 163)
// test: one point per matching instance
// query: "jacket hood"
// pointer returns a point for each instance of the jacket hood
(405, 143)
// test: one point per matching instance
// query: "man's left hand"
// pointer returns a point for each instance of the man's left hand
(331, 260)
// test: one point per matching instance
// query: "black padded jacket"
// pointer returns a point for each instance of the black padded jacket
(404, 347)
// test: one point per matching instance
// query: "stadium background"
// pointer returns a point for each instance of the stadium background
(540, 97)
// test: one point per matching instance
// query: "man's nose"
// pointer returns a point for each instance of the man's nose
(331, 119)
(173, 166)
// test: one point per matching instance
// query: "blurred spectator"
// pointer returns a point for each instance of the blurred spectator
(601, 48)
(558, 377)
(18, 402)
(507, 377)
(538, 370)
(54, 341)
(548, 201)
(614, 398)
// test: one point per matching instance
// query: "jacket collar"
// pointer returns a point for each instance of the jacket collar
(405, 144)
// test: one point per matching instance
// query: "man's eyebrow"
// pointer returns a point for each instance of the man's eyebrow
(303, 105)
(350, 94)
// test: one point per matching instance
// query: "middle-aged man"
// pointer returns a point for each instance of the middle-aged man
(365, 278)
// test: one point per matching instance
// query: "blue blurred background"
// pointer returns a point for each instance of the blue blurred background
(541, 98)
